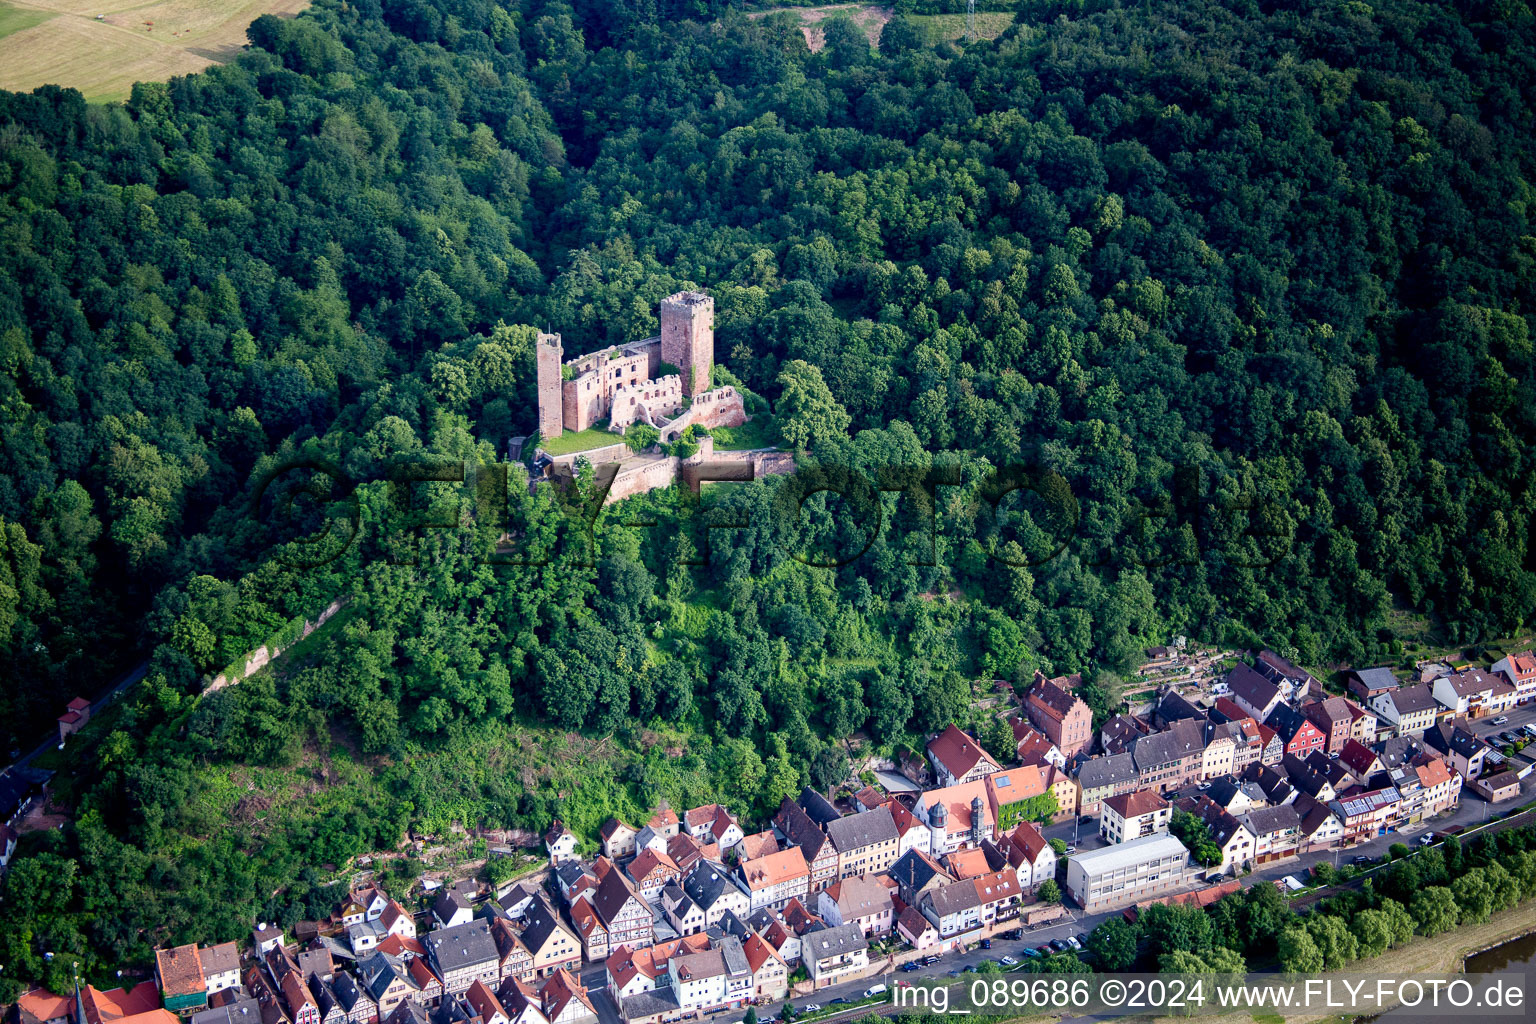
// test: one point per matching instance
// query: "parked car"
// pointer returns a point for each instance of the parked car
(1072, 941)
(1501, 720)
(1060, 945)
(1006, 961)
(1426, 839)
(986, 943)
(811, 1008)
(1044, 950)
(1032, 951)
(932, 958)
(1359, 858)
(874, 990)
(911, 966)
(968, 969)
(1017, 933)
(838, 1001)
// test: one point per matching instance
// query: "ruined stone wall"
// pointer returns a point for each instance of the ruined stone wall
(660, 397)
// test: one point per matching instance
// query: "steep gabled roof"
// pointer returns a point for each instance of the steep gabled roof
(1244, 681)
(957, 752)
(1052, 700)
(860, 830)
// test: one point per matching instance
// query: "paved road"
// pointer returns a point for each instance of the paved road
(122, 683)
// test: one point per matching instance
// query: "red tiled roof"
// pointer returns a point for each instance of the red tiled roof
(957, 752)
(180, 970)
(1134, 805)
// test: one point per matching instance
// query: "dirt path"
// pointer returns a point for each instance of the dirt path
(868, 17)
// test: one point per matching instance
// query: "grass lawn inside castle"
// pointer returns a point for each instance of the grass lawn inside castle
(596, 436)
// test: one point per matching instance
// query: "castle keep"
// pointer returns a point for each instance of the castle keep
(620, 383)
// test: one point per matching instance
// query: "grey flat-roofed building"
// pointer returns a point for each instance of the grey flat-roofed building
(1128, 872)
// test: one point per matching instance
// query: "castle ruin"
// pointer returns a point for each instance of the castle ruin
(619, 384)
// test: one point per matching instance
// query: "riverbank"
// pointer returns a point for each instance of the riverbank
(1443, 954)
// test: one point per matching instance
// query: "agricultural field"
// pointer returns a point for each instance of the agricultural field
(102, 47)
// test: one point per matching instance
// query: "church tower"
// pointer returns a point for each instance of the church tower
(688, 338)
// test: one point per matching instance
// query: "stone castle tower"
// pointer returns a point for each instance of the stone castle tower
(687, 339)
(550, 356)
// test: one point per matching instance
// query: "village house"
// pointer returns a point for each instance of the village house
(1257, 696)
(1166, 761)
(520, 1001)
(1361, 761)
(712, 823)
(560, 842)
(451, 909)
(463, 954)
(1520, 671)
(1101, 777)
(221, 966)
(1332, 718)
(1468, 694)
(651, 871)
(565, 1001)
(866, 843)
(958, 758)
(916, 873)
(834, 953)
(1066, 721)
(1455, 741)
(383, 978)
(770, 974)
(548, 941)
(1229, 833)
(773, 880)
(816, 849)
(1408, 710)
(1276, 832)
(1295, 684)
(1027, 852)
(963, 906)
(1299, 736)
(76, 713)
(1033, 746)
(1496, 789)
(618, 840)
(1134, 816)
(622, 911)
(1366, 684)
(715, 891)
(1441, 785)
(1367, 813)
(1220, 752)
(859, 899)
(911, 832)
(1118, 733)
(711, 979)
(179, 973)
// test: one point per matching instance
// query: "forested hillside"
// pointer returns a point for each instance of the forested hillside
(1253, 281)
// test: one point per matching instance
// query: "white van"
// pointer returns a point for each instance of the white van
(876, 990)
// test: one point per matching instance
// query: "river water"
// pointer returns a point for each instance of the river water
(1513, 957)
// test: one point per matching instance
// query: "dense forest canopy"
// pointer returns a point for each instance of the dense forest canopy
(1251, 282)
